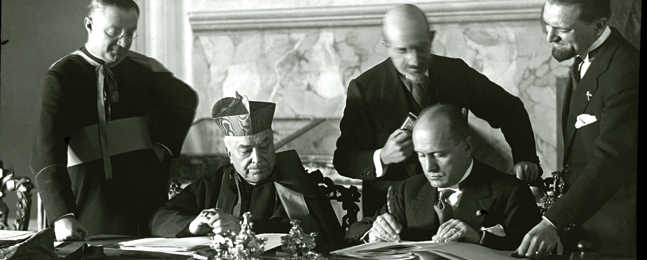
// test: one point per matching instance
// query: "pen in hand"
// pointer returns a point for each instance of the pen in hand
(390, 196)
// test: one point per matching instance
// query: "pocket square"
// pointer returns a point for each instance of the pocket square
(496, 230)
(584, 119)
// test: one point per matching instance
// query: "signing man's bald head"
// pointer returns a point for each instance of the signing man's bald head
(408, 41)
(441, 140)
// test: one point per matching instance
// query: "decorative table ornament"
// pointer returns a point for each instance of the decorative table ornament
(300, 244)
(242, 246)
(555, 190)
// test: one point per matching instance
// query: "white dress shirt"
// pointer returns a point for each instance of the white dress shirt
(587, 60)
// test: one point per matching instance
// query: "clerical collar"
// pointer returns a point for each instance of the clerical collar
(96, 58)
(91, 55)
(467, 173)
(605, 35)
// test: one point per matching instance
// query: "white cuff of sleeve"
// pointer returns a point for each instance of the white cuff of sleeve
(379, 167)
(167, 150)
(364, 238)
(65, 215)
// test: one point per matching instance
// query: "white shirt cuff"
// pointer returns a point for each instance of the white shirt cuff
(64, 215)
(364, 238)
(379, 167)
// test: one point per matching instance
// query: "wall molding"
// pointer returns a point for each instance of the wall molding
(369, 15)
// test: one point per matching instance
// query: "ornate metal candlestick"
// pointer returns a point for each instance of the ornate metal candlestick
(242, 246)
(300, 244)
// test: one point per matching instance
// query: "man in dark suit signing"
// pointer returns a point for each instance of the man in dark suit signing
(600, 129)
(458, 198)
(373, 148)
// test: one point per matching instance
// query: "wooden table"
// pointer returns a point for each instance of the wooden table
(111, 250)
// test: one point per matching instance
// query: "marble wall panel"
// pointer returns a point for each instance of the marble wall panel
(306, 72)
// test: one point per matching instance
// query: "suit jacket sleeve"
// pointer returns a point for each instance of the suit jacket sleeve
(520, 215)
(49, 155)
(353, 157)
(358, 229)
(176, 214)
(174, 109)
(614, 149)
(500, 109)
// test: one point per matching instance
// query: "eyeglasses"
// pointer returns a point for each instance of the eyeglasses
(114, 34)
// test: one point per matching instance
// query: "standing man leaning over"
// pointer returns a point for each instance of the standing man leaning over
(109, 117)
(600, 128)
(373, 148)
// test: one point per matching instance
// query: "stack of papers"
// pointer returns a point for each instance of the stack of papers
(424, 250)
(186, 245)
(12, 237)
(168, 245)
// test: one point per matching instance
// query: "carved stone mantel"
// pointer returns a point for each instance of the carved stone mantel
(366, 15)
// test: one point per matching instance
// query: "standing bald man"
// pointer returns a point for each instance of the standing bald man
(372, 147)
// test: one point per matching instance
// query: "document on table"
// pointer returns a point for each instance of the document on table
(12, 237)
(161, 244)
(424, 250)
(186, 245)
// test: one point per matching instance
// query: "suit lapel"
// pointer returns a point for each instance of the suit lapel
(476, 196)
(579, 98)
(434, 83)
(392, 105)
(423, 206)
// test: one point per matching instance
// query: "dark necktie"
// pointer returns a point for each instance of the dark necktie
(443, 207)
(418, 91)
(575, 71)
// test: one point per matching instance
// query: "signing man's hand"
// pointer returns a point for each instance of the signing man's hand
(214, 220)
(385, 228)
(453, 230)
(397, 148)
(539, 242)
(68, 228)
(525, 171)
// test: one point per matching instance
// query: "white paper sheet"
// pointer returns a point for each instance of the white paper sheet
(187, 244)
(425, 250)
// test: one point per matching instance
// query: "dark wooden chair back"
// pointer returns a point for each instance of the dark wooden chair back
(349, 197)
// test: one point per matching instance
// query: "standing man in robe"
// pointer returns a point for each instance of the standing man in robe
(109, 118)
(372, 147)
(600, 130)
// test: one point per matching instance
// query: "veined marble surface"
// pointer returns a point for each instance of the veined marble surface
(306, 72)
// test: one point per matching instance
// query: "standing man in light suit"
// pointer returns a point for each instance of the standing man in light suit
(600, 129)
